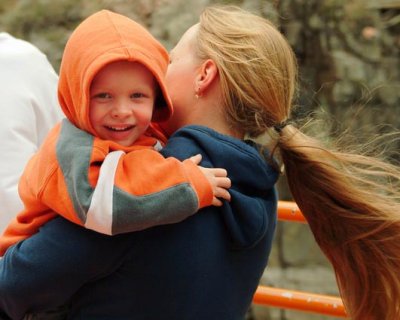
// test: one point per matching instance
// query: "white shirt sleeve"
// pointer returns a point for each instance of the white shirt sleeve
(29, 109)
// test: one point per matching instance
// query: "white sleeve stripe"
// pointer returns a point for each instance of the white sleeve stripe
(100, 214)
(158, 146)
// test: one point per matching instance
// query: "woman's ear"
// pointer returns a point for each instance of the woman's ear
(207, 74)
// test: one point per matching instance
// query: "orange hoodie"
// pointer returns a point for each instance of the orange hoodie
(70, 174)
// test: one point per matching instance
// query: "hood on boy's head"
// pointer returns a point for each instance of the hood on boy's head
(102, 38)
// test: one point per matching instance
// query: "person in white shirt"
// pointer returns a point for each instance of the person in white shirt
(28, 108)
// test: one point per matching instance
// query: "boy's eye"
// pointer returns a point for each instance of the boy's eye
(102, 95)
(137, 95)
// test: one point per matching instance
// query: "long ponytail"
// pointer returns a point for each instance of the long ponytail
(351, 203)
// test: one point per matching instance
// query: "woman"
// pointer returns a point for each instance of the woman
(233, 75)
(350, 201)
(205, 268)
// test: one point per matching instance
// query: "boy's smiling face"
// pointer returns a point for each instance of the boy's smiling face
(122, 96)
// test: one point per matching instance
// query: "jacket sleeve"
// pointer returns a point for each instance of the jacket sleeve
(40, 272)
(91, 183)
(113, 191)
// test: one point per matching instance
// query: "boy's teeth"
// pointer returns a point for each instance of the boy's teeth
(119, 128)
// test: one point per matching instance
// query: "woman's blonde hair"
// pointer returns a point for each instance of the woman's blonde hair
(257, 68)
(351, 202)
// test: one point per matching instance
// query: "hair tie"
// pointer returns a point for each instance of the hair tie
(278, 127)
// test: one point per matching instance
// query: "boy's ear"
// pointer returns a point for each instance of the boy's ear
(207, 74)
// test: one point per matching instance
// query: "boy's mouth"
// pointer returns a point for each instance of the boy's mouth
(120, 128)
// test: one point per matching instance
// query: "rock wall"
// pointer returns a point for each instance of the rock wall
(348, 53)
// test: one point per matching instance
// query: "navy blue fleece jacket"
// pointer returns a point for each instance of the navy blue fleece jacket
(206, 267)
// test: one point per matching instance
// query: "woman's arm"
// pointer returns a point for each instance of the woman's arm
(45, 270)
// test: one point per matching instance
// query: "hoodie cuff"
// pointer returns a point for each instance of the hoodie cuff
(200, 184)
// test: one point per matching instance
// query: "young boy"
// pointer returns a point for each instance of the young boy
(111, 86)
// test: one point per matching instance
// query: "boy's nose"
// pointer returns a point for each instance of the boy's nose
(121, 110)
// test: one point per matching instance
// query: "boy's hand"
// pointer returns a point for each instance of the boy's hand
(218, 179)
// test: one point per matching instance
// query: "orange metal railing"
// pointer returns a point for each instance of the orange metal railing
(289, 211)
(301, 301)
(297, 300)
